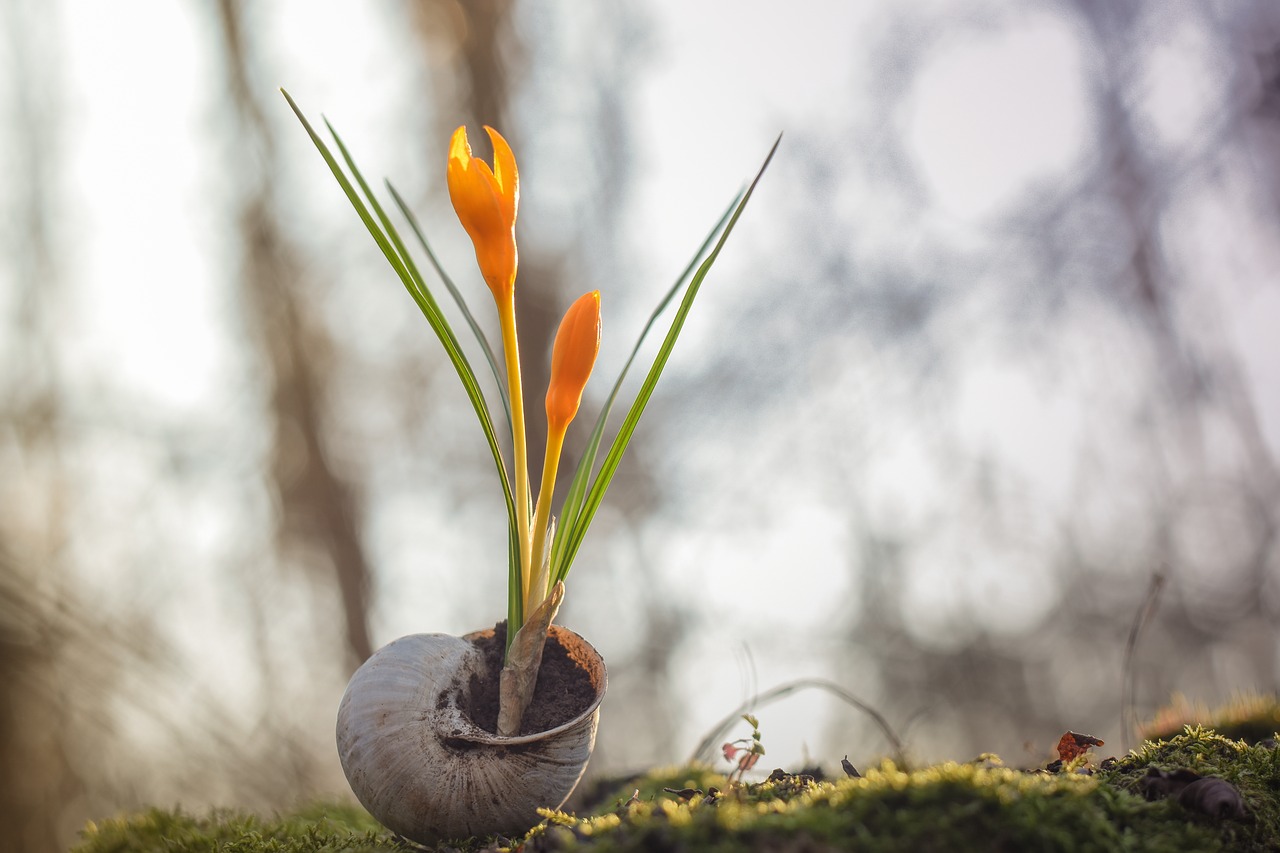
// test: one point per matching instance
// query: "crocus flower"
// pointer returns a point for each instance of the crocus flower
(486, 200)
(572, 357)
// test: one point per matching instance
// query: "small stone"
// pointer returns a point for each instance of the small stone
(1215, 797)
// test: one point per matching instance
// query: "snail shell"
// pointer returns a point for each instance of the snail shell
(426, 771)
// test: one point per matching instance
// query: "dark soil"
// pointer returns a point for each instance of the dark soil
(564, 689)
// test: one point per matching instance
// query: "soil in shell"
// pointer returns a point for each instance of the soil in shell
(563, 691)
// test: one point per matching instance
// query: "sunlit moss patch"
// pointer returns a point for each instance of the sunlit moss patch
(978, 806)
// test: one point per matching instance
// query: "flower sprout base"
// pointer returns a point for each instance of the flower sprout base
(450, 737)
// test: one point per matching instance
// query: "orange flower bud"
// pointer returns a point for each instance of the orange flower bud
(486, 200)
(572, 357)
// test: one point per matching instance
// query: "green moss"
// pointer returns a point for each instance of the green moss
(976, 806)
(1252, 717)
(318, 827)
(1253, 770)
(612, 793)
(947, 807)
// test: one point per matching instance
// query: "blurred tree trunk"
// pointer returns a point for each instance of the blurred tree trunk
(37, 779)
(1200, 396)
(318, 507)
(1203, 374)
(484, 54)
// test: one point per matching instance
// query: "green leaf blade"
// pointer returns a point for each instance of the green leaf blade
(394, 251)
(571, 507)
(592, 500)
(488, 351)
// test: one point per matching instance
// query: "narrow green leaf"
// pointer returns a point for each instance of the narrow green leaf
(586, 464)
(438, 323)
(623, 438)
(416, 286)
(457, 297)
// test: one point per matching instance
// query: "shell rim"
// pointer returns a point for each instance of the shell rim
(479, 735)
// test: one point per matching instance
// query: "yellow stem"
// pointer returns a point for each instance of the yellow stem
(511, 352)
(542, 517)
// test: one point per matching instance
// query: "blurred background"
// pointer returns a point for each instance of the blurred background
(994, 346)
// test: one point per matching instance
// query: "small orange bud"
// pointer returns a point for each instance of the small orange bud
(486, 201)
(572, 357)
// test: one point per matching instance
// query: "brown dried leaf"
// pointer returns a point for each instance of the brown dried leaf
(1072, 745)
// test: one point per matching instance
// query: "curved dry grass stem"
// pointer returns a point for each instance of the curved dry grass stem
(705, 750)
(1128, 714)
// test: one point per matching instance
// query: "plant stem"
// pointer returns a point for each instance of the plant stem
(511, 353)
(542, 516)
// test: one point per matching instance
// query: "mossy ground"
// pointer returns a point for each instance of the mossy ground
(1250, 717)
(980, 805)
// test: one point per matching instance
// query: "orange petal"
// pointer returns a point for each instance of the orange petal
(572, 358)
(506, 176)
(471, 190)
(486, 207)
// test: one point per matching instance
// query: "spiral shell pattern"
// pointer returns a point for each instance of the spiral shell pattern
(426, 771)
